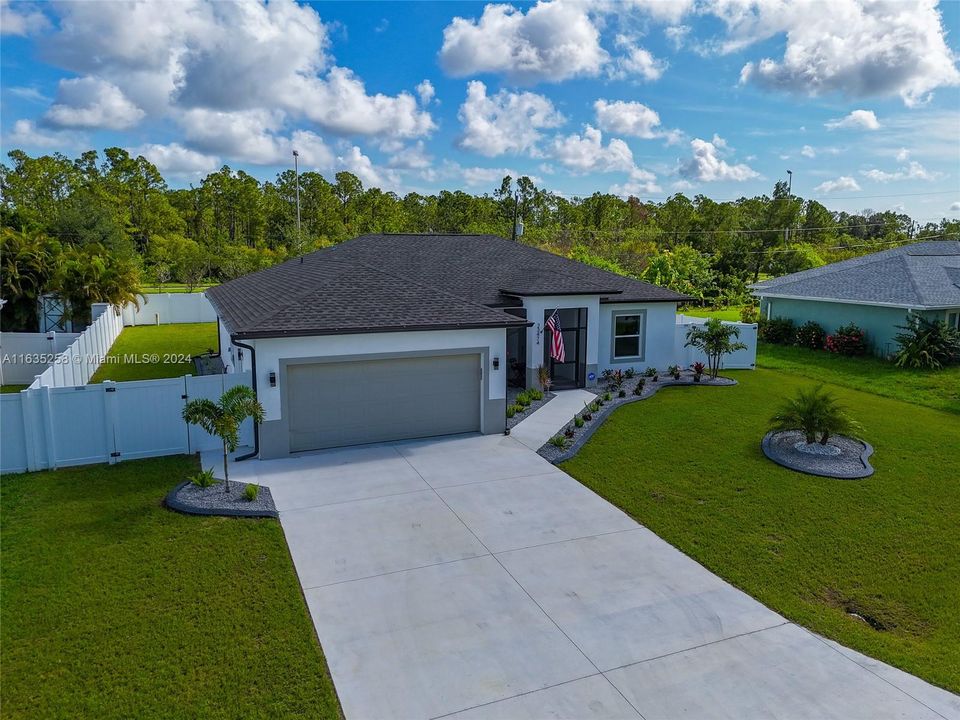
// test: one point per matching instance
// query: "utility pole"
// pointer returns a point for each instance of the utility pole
(786, 231)
(517, 221)
(296, 172)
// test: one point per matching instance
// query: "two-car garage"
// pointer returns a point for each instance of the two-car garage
(330, 404)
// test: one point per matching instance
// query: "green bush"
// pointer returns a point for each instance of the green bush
(558, 441)
(607, 397)
(779, 331)
(927, 344)
(750, 314)
(517, 409)
(204, 479)
(578, 421)
(594, 406)
(815, 412)
(535, 394)
(523, 399)
(250, 492)
(510, 411)
(650, 372)
(629, 373)
(810, 335)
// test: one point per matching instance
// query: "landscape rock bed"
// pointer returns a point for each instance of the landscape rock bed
(533, 407)
(850, 463)
(558, 455)
(194, 500)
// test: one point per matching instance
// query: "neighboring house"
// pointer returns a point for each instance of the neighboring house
(399, 336)
(876, 292)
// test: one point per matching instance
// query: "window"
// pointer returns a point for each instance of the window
(953, 319)
(628, 335)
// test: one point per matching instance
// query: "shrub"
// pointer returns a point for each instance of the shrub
(621, 393)
(535, 394)
(607, 397)
(750, 314)
(698, 368)
(594, 406)
(578, 421)
(250, 492)
(204, 478)
(928, 344)
(523, 399)
(810, 335)
(543, 377)
(675, 371)
(516, 408)
(638, 390)
(714, 339)
(816, 412)
(588, 411)
(510, 411)
(847, 340)
(629, 373)
(779, 331)
(558, 441)
(569, 431)
(650, 372)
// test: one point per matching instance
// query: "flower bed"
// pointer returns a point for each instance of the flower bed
(573, 442)
(518, 417)
(842, 457)
(193, 500)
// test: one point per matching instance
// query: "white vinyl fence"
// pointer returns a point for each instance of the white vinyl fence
(51, 427)
(740, 360)
(25, 355)
(167, 308)
(77, 363)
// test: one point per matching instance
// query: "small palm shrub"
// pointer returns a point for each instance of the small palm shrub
(517, 409)
(595, 405)
(629, 373)
(779, 331)
(510, 411)
(638, 390)
(578, 421)
(250, 492)
(607, 397)
(927, 344)
(810, 335)
(558, 441)
(204, 479)
(535, 394)
(815, 412)
(847, 340)
(650, 372)
(523, 399)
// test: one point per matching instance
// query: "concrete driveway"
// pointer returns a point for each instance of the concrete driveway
(467, 577)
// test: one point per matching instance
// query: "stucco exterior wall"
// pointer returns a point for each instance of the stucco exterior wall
(536, 306)
(879, 323)
(659, 332)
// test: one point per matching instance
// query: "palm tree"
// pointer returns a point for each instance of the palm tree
(814, 411)
(715, 339)
(223, 418)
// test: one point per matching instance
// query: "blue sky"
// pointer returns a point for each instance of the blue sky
(861, 100)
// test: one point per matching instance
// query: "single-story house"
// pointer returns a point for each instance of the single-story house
(386, 337)
(876, 292)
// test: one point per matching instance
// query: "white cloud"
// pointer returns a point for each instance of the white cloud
(660, 10)
(637, 61)
(844, 183)
(911, 171)
(476, 176)
(552, 41)
(174, 159)
(858, 119)
(860, 48)
(903, 155)
(24, 18)
(627, 118)
(635, 189)
(89, 102)
(677, 34)
(955, 207)
(808, 151)
(682, 185)
(31, 94)
(707, 165)
(505, 122)
(356, 162)
(414, 157)
(426, 92)
(26, 134)
(587, 153)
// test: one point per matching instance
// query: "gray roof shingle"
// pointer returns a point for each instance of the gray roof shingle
(923, 274)
(382, 283)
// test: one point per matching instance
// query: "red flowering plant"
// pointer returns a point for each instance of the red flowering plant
(847, 340)
(698, 368)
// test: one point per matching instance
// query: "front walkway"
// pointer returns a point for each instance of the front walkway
(550, 419)
(467, 577)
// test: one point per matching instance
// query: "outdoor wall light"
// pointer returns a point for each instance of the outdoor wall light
(272, 377)
(496, 363)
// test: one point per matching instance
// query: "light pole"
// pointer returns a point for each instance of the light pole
(296, 172)
(789, 182)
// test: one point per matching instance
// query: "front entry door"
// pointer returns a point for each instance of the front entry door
(572, 372)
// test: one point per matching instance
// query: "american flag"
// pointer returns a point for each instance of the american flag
(556, 338)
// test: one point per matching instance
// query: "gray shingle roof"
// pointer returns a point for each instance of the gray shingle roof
(381, 283)
(920, 275)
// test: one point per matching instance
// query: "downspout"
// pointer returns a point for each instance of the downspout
(253, 372)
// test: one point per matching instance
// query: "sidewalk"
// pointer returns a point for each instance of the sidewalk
(550, 419)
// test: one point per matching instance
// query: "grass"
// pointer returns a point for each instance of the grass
(939, 390)
(813, 549)
(731, 313)
(114, 607)
(148, 352)
(153, 287)
(12, 388)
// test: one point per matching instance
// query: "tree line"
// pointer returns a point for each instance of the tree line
(104, 228)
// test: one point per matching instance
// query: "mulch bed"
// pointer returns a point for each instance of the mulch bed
(580, 435)
(193, 500)
(533, 407)
(850, 464)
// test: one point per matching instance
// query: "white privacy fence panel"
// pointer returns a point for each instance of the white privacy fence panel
(78, 362)
(166, 308)
(26, 355)
(49, 427)
(745, 359)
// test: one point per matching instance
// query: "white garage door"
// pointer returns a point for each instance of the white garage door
(349, 403)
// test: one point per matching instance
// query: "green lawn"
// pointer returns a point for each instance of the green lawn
(112, 606)
(12, 388)
(687, 464)
(147, 352)
(152, 287)
(936, 389)
(731, 313)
